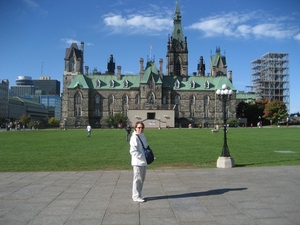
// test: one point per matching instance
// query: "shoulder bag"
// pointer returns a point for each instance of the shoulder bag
(148, 152)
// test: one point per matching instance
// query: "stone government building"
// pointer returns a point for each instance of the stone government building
(173, 98)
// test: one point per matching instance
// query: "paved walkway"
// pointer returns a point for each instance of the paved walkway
(264, 196)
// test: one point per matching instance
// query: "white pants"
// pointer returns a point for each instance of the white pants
(139, 174)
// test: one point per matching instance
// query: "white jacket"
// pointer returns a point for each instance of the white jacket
(136, 149)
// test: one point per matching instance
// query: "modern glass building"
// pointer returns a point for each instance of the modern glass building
(54, 102)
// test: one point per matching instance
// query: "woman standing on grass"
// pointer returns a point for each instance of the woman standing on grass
(138, 161)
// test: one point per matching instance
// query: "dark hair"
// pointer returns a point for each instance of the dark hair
(137, 123)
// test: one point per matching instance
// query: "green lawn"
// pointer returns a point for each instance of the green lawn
(71, 150)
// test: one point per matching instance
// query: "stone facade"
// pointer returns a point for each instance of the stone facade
(173, 99)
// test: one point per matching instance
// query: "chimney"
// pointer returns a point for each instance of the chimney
(230, 75)
(161, 68)
(82, 61)
(119, 73)
(141, 68)
(86, 70)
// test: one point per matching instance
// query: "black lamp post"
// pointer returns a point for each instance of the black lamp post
(225, 160)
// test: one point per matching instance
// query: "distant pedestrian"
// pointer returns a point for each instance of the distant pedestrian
(128, 131)
(89, 130)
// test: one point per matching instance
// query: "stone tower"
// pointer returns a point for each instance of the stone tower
(177, 54)
(73, 67)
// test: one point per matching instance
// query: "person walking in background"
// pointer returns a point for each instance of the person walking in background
(128, 131)
(138, 161)
(89, 130)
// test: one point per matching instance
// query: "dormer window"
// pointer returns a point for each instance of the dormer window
(192, 84)
(207, 84)
(111, 83)
(177, 84)
(125, 83)
(98, 83)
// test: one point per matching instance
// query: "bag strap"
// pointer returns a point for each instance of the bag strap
(141, 142)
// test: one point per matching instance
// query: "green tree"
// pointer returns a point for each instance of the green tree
(253, 111)
(241, 110)
(24, 119)
(117, 118)
(275, 110)
(53, 122)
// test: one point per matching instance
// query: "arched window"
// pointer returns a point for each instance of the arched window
(137, 99)
(192, 113)
(97, 112)
(72, 66)
(125, 99)
(97, 99)
(206, 100)
(177, 68)
(77, 98)
(206, 113)
(111, 99)
(151, 98)
(77, 111)
(206, 106)
(165, 100)
(177, 100)
(192, 100)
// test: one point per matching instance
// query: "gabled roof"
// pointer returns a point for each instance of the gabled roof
(91, 81)
(74, 47)
(82, 81)
(214, 83)
(215, 59)
(151, 69)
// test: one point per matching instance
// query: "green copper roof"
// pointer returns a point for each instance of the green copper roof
(104, 81)
(177, 29)
(25, 101)
(246, 97)
(196, 83)
(151, 69)
(80, 80)
(191, 83)
(215, 59)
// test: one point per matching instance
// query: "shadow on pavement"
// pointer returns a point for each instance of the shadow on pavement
(196, 194)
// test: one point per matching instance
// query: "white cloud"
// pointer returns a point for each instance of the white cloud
(31, 4)
(137, 23)
(36, 8)
(246, 25)
(151, 20)
(70, 41)
(297, 37)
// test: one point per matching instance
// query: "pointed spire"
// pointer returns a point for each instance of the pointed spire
(177, 30)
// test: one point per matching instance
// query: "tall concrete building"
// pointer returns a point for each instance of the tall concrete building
(172, 98)
(4, 99)
(44, 91)
(48, 86)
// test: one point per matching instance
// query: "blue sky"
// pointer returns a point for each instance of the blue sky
(35, 34)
